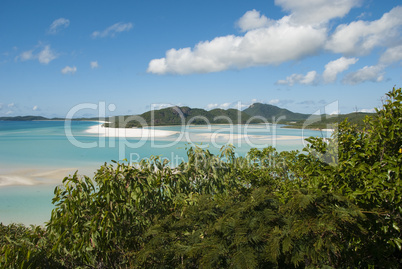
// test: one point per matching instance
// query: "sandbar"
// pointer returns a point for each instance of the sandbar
(129, 132)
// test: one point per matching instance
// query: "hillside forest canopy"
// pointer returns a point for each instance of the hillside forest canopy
(336, 204)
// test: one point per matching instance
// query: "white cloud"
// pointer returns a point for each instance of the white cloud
(35, 108)
(309, 79)
(225, 105)
(237, 105)
(360, 37)
(317, 11)
(94, 64)
(161, 106)
(44, 56)
(263, 46)
(304, 32)
(367, 110)
(11, 105)
(392, 55)
(368, 73)
(273, 101)
(222, 106)
(58, 25)
(211, 106)
(335, 112)
(113, 30)
(253, 20)
(26, 55)
(69, 70)
(333, 68)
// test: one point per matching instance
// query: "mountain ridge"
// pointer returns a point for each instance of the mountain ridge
(255, 113)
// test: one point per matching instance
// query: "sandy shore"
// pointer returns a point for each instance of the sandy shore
(129, 132)
(213, 136)
(44, 175)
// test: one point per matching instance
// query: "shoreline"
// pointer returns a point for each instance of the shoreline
(212, 136)
(17, 174)
(128, 132)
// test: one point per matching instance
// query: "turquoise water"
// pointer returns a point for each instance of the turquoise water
(35, 156)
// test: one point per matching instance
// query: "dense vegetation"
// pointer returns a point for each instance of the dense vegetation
(335, 205)
(331, 121)
(273, 113)
(180, 116)
(256, 113)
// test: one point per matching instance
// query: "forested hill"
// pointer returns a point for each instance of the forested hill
(182, 115)
(256, 113)
(273, 113)
(23, 118)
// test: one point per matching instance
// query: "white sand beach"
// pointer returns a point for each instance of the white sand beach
(214, 136)
(37, 176)
(129, 132)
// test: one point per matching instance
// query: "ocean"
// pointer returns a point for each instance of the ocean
(35, 156)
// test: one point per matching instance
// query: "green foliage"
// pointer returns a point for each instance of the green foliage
(331, 121)
(273, 113)
(25, 247)
(337, 204)
(181, 116)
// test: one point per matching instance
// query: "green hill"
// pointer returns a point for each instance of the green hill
(329, 121)
(298, 120)
(273, 113)
(181, 115)
(23, 118)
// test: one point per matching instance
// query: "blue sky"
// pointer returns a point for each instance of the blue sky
(296, 54)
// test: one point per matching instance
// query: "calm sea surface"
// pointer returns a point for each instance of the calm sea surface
(36, 155)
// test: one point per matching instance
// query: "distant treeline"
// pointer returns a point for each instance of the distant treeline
(254, 114)
(40, 118)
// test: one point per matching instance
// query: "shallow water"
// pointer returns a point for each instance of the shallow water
(35, 156)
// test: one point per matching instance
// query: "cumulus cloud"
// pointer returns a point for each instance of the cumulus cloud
(392, 55)
(94, 64)
(367, 110)
(261, 46)
(333, 68)
(228, 105)
(43, 54)
(211, 106)
(46, 55)
(373, 73)
(69, 70)
(309, 79)
(253, 20)
(361, 37)
(273, 101)
(58, 25)
(317, 11)
(111, 31)
(26, 55)
(222, 106)
(304, 32)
